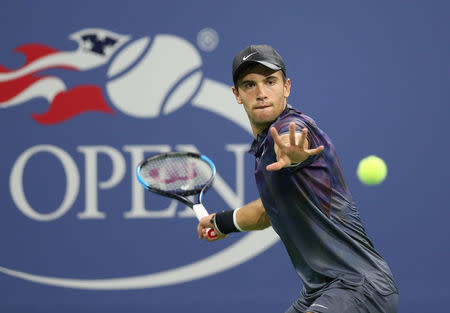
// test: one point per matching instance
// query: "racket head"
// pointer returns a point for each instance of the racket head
(177, 174)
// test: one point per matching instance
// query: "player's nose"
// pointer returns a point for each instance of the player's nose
(260, 91)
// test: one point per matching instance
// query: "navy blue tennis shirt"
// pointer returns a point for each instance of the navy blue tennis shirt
(313, 212)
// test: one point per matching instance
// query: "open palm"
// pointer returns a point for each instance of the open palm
(291, 148)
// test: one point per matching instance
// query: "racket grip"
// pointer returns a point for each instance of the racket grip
(201, 212)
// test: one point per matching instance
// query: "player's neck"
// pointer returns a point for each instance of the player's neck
(259, 128)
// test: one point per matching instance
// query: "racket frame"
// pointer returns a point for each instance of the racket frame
(182, 195)
(197, 207)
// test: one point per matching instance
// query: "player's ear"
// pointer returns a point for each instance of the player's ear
(287, 88)
(236, 94)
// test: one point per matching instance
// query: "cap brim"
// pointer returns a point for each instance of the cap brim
(269, 65)
(265, 63)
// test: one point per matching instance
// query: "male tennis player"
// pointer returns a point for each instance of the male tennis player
(303, 197)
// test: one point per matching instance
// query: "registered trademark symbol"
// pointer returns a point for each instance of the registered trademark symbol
(207, 39)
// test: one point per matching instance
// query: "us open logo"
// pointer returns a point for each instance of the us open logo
(71, 170)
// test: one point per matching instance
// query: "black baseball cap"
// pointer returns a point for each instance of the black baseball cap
(262, 54)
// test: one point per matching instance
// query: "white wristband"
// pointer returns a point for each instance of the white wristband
(235, 222)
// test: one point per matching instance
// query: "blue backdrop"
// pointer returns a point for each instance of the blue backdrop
(88, 88)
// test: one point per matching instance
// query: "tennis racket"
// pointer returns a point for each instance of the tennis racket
(178, 175)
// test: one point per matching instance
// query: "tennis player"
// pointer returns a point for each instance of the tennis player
(303, 197)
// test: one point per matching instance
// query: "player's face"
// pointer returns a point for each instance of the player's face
(263, 93)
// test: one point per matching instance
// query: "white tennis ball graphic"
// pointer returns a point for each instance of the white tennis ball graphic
(164, 79)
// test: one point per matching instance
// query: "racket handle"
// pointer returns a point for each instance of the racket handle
(201, 212)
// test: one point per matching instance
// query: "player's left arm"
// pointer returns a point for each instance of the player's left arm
(291, 148)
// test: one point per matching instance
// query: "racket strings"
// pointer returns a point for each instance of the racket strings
(180, 174)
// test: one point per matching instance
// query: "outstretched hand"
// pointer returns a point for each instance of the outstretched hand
(291, 148)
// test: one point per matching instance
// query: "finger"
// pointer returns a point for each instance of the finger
(301, 141)
(200, 231)
(273, 167)
(315, 150)
(276, 166)
(292, 134)
(276, 137)
(205, 234)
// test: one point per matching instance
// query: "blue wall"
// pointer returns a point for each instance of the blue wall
(77, 234)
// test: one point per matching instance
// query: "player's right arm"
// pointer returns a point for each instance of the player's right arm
(251, 216)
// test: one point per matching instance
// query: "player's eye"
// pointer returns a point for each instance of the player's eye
(248, 84)
(271, 82)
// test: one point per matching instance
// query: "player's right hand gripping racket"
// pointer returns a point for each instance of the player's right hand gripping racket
(178, 175)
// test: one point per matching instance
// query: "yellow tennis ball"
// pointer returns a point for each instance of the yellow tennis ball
(371, 170)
